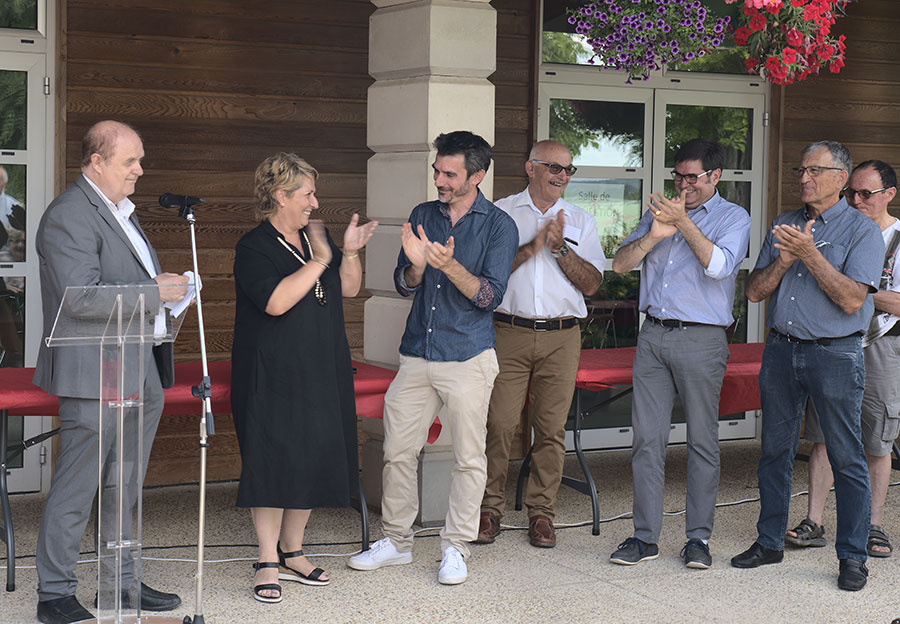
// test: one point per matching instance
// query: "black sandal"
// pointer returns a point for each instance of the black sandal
(877, 537)
(313, 578)
(808, 534)
(267, 586)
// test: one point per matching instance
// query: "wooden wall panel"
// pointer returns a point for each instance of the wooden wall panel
(215, 86)
(858, 107)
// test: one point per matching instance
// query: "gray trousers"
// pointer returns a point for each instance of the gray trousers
(691, 362)
(75, 483)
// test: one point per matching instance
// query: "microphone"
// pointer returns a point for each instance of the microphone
(170, 200)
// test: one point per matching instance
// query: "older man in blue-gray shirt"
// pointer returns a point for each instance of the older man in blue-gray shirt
(819, 265)
(456, 259)
(692, 248)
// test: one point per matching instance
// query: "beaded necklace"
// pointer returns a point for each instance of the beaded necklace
(318, 291)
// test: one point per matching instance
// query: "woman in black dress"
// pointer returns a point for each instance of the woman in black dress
(291, 382)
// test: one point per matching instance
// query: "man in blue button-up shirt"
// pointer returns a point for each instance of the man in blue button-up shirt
(819, 266)
(691, 248)
(456, 259)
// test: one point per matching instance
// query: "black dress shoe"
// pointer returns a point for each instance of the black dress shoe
(756, 556)
(151, 600)
(853, 575)
(62, 611)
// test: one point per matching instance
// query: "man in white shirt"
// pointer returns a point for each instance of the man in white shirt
(872, 186)
(559, 261)
(6, 209)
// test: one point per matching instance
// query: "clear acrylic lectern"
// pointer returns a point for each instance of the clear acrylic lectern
(123, 324)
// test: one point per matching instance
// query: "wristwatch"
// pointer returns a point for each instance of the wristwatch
(561, 252)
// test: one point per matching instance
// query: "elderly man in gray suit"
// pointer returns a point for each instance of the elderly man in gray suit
(90, 236)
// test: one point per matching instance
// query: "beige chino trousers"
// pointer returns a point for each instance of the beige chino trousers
(414, 399)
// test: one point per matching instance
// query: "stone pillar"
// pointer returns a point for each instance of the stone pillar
(430, 60)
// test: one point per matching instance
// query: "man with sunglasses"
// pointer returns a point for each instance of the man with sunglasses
(873, 184)
(818, 265)
(558, 262)
(691, 248)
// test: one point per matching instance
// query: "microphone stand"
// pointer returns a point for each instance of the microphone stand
(207, 427)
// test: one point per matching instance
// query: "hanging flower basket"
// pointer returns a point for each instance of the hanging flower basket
(641, 36)
(790, 40)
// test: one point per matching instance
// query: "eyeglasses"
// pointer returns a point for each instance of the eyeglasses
(556, 168)
(863, 195)
(690, 178)
(814, 172)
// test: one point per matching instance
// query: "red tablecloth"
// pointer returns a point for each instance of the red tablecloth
(21, 397)
(601, 369)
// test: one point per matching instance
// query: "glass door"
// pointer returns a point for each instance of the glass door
(611, 143)
(22, 200)
(623, 140)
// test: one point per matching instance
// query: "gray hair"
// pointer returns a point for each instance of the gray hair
(4, 177)
(839, 153)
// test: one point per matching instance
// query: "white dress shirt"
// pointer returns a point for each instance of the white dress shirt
(538, 288)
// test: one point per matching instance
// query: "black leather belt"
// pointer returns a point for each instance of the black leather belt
(536, 324)
(676, 322)
(817, 341)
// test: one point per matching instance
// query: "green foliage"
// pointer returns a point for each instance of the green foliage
(13, 104)
(17, 182)
(558, 47)
(569, 128)
(730, 127)
(18, 14)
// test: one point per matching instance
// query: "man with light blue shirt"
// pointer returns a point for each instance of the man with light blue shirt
(691, 248)
(455, 260)
(819, 265)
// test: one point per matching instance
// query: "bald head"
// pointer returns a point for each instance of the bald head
(548, 149)
(101, 139)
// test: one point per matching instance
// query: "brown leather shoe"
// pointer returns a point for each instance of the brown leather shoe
(541, 532)
(488, 528)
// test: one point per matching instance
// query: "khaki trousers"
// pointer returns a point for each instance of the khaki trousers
(549, 361)
(414, 399)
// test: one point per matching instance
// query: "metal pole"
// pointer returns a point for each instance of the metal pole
(206, 428)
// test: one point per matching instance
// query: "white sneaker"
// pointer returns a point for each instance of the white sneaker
(382, 553)
(453, 567)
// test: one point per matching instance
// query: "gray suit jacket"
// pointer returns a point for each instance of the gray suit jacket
(80, 243)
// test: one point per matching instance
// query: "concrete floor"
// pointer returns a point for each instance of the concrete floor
(509, 581)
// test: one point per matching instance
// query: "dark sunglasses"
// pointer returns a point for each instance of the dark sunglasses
(556, 168)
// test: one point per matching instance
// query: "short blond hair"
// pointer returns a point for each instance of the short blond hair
(285, 172)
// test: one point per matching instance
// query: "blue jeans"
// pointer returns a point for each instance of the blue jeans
(834, 376)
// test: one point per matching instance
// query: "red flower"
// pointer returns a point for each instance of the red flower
(774, 9)
(789, 55)
(798, 3)
(741, 35)
(825, 52)
(793, 37)
(773, 63)
(757, 22)
(751, 64)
